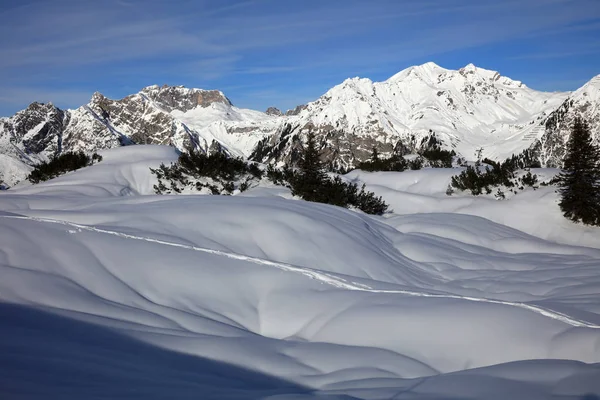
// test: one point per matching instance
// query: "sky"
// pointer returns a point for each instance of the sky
(281, 53)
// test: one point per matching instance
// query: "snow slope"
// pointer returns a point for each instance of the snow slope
(108, 291)
(471, 110)
(468, 109)
(172, 115)
(167, 115)
(584, 103)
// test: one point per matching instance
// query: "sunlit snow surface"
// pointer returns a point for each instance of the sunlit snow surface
(110, 292)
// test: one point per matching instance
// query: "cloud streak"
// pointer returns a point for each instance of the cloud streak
(116, 43)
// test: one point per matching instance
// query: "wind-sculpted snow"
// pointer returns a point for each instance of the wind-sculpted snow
(110, 293)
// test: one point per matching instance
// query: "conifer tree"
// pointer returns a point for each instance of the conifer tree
(311, 175)
(579, 181)
(375, 156)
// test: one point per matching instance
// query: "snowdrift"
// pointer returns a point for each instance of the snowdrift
(108, 291)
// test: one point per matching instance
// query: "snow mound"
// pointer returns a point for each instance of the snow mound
(105, 294)
(124, 171)
(12, 170)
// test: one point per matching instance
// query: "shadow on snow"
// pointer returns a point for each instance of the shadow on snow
(48, 356)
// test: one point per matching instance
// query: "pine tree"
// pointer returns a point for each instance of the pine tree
(375, 156)
(311, 176)
(311, 183)
(579, 181)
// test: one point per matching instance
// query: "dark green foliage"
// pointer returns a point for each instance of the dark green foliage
(433, 153)
(394, 163)
(264, 148)
(495, 174)
(579, 181)
(279, 176)
(217, 166)
(470, 179)
(476, 181)
(524, 160)
(60, 165)
(311, 183)
(416, 163)
(439, 158)
(308, 183)
(529, 179)
(220, 168)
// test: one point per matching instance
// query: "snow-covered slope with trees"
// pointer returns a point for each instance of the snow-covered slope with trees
(168, 115)
(473, 111)
(109, 291)
(584, 103)
(469, 109)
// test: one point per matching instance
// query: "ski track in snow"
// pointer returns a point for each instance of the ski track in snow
(320, 276)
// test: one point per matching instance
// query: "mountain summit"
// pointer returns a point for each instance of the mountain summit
(470, 110)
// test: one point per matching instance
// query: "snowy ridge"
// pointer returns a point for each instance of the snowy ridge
(584, 103)
(177, 116)
(469, 109)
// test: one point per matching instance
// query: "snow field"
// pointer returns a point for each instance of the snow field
(455, 300)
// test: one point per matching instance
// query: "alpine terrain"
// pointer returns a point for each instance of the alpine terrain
(124, 274)
(110, 291)
(475, 112)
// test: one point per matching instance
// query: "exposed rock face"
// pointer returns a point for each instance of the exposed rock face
(297, 110)
(35, 132)
(471, 110)
(468, 109)
(183, 99)
(42, 130)
(276, 112)
(585, 102)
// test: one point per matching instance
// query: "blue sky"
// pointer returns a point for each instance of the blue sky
(281, 53)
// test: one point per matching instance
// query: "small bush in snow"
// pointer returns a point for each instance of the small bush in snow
(62, 164)
(375, 163)
(217, 172)
(477, 181)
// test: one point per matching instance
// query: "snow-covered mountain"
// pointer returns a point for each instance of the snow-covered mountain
(468, 110)
(176, 116)
(585, 102)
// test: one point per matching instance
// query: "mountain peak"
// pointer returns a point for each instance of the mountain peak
(427, 70)
(182, 98)
(274, 111)
(430, 65)
(595, 81)
(470, 67)
(589, 92)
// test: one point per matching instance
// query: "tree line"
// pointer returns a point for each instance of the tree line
(222, 174)
(578, 183)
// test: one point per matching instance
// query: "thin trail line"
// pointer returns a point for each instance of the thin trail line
(326, 278)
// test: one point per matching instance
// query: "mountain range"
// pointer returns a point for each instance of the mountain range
(474, 111)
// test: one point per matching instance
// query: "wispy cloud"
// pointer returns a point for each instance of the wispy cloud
(113, 44)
